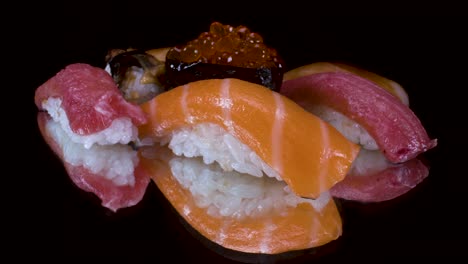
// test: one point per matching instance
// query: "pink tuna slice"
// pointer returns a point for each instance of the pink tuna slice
(397, 131)
(90, 98)
(383, 185)
(112, 196)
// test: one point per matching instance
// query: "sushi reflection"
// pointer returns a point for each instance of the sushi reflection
(374, 179)
(241, 212)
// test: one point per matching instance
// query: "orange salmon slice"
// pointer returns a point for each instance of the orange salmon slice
(310, 155)
(296, 228)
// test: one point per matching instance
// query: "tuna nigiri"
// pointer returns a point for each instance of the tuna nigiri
(89, 125)
(372, 111)
(396, 130)
(244, 160)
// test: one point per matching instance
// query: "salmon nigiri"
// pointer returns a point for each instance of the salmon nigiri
(281, 139)
(243, 160)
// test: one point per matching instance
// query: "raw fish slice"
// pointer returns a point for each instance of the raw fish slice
(397, 131)
(90, 98)
(317, 67)
(382, 184)
(296, 228)
(308, 154)
(112, 196)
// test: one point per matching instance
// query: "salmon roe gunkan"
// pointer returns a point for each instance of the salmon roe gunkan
(225, 52)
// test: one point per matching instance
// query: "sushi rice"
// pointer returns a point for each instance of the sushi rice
(350, 129)
(121, 131)
(226, 177)
(370, 158)
(105, 153)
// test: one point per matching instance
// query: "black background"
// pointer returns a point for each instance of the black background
(424, 53)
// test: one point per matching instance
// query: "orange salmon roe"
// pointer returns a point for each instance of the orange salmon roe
(228, 45)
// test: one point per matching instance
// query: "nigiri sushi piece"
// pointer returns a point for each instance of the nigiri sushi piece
(281, 139)
(376, 117)
(391, 125)
(87, 123)
(89, 102)
(245, 163)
